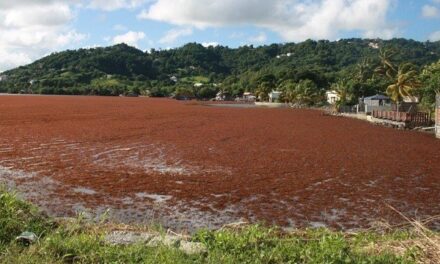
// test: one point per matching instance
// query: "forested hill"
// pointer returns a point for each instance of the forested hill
(121, 68)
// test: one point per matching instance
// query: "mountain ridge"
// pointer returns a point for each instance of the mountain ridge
(120, 68)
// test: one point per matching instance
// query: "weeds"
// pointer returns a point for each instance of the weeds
(79, 241)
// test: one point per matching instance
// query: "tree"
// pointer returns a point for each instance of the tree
(238, 70)
(430, 78)
(342, 90)
(288, 89)
(405, 82)
(308, 93)
(363, 70)
(264, 89)
(387, 67)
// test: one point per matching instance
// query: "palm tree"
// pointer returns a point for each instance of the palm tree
(288, 88)
(405, 82)
(263, 90)
(387, 67)
(341, 89)
(363, 70)
(308, 93)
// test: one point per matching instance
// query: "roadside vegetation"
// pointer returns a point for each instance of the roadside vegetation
(80, 241)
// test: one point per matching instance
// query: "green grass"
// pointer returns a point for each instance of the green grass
(17, 216)
(82, 242)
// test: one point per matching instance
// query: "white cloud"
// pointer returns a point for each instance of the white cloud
(172, 35)
(111, 5)
(31, 29)
(39, 15)
(435, 36)
(294, 20)
(13, 59)
(210, 44)
(430, 11)
(130, 38)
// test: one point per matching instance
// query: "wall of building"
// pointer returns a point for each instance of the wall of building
(437, 117)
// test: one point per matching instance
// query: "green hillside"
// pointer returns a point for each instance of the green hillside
(122, 69)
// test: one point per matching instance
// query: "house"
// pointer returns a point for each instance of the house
(274, 96)
(408, 104)
(198, 85)
(220, 96)
(249, 97)
(332, 97)
(374, 45)
(174, 79)
(377, 100)
(3, 78)
(223, 96)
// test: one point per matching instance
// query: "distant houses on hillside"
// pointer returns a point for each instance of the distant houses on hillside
(332, 97)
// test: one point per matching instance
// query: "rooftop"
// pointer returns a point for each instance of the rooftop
(377, 97)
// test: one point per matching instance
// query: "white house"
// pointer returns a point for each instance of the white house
(374, 45)
(197, 85)
(3, 78)
(332, 97)
(249, 97)
(274, 96)
(220, 96)
(174, 79)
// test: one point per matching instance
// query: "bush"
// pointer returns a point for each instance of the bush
(17, 216)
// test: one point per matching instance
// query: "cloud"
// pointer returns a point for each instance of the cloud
(293, 20)
(55, 14)
(210, 44)
(172, 35)
(130, 38)
(31, 29)
(430, 11)
(111, 5)
(435, 36)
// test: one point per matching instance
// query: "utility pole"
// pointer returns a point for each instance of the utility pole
(437, 116)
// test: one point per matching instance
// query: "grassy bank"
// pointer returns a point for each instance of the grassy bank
(79, 241)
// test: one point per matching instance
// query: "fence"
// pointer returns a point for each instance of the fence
(414, 119)
(347, 109)
(361, 108)
(370, 108)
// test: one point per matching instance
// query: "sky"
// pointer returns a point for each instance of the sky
(31, 29)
